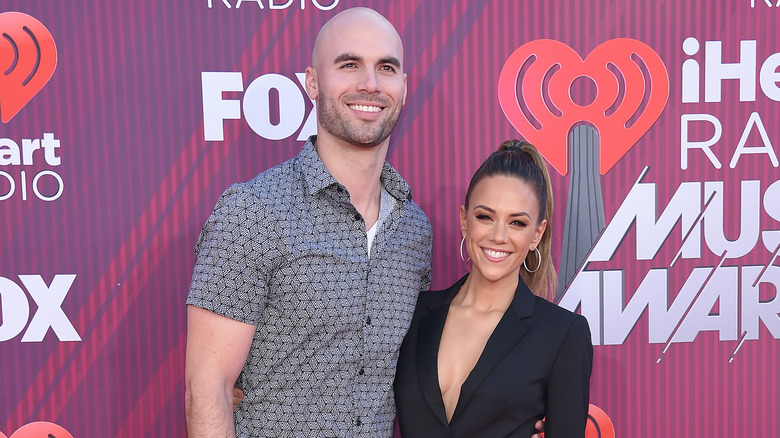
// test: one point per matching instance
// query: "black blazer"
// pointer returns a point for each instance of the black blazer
(536, 363)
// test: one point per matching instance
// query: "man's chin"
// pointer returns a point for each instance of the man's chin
(368, 141)
(368, 145)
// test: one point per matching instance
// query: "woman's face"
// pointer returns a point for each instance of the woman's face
(501, 225)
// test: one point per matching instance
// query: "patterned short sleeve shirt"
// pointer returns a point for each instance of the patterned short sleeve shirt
(287, 252)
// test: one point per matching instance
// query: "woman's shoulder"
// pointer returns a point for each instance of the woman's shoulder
(551, 310)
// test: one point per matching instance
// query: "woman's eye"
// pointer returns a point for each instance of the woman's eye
(483, 217)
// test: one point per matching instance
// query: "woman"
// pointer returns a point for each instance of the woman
(487, 357)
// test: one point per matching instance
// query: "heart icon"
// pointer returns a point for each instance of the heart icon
(28, 57)
(40, 429)
(534, 90)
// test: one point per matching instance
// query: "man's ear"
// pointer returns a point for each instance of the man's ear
(311, 83)
(403, 100)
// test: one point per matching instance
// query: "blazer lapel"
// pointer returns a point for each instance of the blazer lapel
(510, 329)
(428, 338)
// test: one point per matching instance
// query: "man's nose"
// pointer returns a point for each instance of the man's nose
(368, 81)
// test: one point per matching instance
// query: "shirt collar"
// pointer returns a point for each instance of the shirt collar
(317, 177)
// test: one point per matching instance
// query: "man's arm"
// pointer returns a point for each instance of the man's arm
(217, 348)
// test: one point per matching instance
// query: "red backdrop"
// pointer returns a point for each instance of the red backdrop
(667, 224)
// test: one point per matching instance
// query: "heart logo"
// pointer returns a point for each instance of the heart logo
(40, 429)
(28, 58)
(534, 90)
(599, 425)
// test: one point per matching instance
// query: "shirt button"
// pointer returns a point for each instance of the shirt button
(357, 217)
(358, 422)
(368, 320)
(361, 372)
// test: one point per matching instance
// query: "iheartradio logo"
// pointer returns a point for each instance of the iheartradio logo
(631, 84)
(28, 57)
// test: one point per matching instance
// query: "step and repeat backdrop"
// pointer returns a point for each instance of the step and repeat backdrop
(122, 122)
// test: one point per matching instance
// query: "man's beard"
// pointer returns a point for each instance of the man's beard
(333, 119)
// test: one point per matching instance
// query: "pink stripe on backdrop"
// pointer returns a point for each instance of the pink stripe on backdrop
(122, 271)
(139, 181)
(80, 102)
(156, 395)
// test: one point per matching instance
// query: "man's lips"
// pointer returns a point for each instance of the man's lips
(365, 108)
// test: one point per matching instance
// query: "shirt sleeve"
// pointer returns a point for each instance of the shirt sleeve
(425, 282)
(569, 386)
(427, 245)
(229, 276)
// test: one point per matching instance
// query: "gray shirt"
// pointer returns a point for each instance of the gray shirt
(287, 252)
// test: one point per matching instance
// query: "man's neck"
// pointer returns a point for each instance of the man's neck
(358, 169)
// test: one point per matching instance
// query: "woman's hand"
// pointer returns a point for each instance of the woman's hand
(539, 426)
(238, 394)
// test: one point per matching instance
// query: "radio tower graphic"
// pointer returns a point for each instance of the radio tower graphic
(582, 139)
(584, 220)
(28, 57)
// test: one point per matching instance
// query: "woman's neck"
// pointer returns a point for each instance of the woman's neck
(486, 295)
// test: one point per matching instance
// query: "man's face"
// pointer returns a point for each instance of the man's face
(358, 81)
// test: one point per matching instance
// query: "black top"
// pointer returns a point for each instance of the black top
(536, 363)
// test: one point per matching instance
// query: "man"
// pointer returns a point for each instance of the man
(307, 276)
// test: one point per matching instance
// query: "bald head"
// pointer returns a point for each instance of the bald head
(353, 23)
(357, 80)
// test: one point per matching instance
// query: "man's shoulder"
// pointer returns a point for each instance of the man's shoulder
(418, 214)
(267, 186)
(275, 177)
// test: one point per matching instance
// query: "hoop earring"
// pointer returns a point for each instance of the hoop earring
(538, 257)
(461, 250)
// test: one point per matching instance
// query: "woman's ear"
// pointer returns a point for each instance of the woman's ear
(463, 226)
(538, 234)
